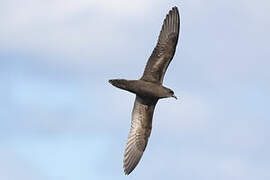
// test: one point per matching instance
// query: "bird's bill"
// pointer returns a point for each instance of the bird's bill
(174, 96)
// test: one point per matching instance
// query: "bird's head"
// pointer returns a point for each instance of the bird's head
(170, 93)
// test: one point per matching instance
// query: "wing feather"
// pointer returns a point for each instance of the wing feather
(140, 131)
(164, 51)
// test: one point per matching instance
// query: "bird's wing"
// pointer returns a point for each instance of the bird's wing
(164, 51)
(140, 131)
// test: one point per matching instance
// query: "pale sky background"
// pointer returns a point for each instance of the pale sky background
(61, 120)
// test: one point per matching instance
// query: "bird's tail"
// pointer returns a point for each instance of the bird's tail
(120, 83)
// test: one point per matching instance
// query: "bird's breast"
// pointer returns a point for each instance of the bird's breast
(146, 89)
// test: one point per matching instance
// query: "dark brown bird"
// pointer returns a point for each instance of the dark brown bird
(149, 90)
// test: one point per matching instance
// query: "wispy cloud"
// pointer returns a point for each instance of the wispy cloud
(59, 114)
(81, 30)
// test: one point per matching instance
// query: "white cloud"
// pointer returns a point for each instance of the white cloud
(70, 29)
(90, 30)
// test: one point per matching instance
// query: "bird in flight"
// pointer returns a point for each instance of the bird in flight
(149, 90)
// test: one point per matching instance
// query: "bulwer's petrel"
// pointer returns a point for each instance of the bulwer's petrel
(149, 90)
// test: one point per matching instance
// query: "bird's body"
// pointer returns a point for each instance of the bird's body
(142, 88)
(149, 90)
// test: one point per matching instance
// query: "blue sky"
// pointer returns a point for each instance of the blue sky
(61, 119)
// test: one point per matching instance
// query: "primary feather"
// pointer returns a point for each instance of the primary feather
(164, 51)
(140, 131)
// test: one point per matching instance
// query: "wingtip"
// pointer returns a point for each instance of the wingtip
(127, 169)
(175, 8)
(126, 172)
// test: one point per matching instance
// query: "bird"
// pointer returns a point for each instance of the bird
(149, 90)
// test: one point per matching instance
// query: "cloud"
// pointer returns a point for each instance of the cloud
(83, 30)
(56, 58)
(110, 33)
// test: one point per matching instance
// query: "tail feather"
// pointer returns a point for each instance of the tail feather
(120, 83)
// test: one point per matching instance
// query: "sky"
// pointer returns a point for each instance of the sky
(61, 119)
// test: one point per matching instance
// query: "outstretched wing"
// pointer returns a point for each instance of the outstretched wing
(164, 51)
(140, 131)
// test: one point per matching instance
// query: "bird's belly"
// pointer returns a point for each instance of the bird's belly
(148, 90)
